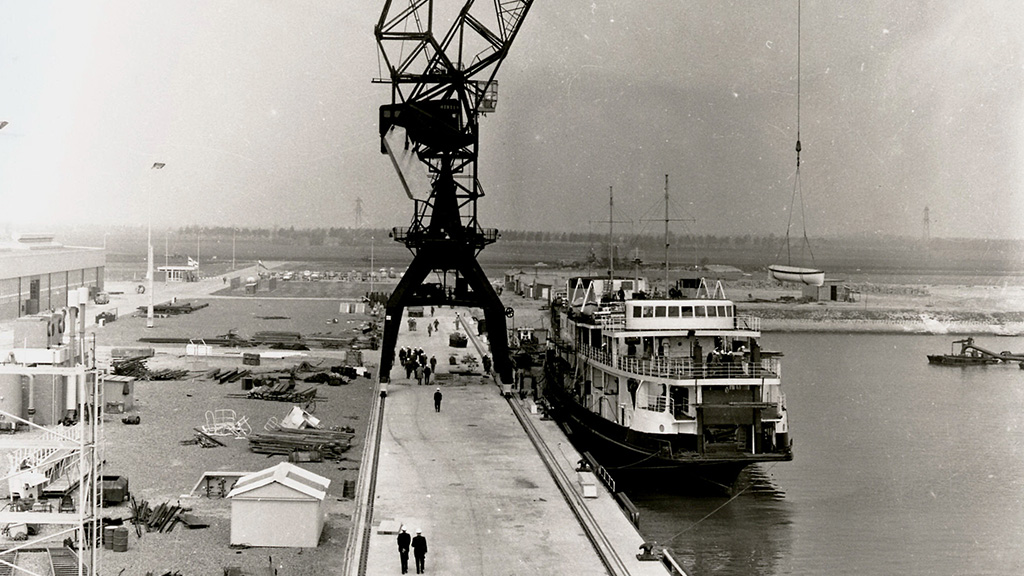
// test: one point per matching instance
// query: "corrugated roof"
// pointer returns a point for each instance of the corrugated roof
(286, 474)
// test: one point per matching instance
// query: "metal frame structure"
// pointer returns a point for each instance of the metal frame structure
(83, 439)
(439, 89)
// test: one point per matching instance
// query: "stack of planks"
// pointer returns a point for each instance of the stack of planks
(330, 444)
(159, 519)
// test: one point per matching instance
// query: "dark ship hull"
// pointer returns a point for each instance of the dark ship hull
(636, 458)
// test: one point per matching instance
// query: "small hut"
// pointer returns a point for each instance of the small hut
(833, 290)
(281, 506)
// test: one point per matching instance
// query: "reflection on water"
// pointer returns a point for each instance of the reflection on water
(900, 468)
(746, 533)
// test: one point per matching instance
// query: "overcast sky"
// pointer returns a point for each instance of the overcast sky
(265, 114)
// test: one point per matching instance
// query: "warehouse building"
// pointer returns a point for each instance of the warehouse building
(36, 274)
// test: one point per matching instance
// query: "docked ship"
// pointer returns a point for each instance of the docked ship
(675, 386)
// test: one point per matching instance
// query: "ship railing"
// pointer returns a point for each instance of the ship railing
(748, 323)
(597, 354)
(659, 404)
(687, 368)
(683, 368)
(612, 322)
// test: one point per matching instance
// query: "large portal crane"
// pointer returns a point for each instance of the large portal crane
(439, 89)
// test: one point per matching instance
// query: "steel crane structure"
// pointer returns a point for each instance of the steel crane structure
(440, 87)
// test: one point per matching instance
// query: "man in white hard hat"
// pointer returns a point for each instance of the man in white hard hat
(403, 548)
(419, 550)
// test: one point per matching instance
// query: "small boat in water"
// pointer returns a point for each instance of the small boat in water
(664, 387)
(808, 276)
(972, 355)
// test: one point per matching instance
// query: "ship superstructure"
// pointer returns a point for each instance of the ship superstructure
(666, 383)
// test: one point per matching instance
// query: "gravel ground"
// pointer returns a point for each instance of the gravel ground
(161, 469)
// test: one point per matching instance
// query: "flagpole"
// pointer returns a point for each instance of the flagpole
(149, 250)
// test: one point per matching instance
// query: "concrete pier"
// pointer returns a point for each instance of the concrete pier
(491, 485)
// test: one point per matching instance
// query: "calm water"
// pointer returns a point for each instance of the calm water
(900, 468)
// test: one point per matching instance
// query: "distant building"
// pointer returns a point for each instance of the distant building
(833, 290)
(36, 274)
(178, 273)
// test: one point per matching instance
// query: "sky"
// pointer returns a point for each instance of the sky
(264, 114)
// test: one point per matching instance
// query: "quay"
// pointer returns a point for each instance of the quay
(490, 482)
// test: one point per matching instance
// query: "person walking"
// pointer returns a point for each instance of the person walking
(433, 364)
(419, 550)
(426, 375)
(403, 548)
(437, 399)
(436, 324)
(430, 330)
(419, 375)
(409, 366)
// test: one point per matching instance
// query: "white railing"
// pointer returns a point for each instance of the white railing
(683, 368)
(612, 322)
(748, 323)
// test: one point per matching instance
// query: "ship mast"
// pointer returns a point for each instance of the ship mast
(666, 232)
(611, 247)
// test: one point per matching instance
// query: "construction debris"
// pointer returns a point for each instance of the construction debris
(136, 368)
(159, 519)
(174, 308)
(330, 444)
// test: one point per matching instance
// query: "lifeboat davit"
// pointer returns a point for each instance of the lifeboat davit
(808, 276)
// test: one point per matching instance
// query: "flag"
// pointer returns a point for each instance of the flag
(192, 262)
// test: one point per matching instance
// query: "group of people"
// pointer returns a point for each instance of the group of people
(416, 363)
(419, 549)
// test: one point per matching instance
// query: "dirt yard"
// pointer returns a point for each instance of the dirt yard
(160, 468)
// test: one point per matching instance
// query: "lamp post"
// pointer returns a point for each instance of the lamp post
(233, 230)
(371, 264)
(149, 251)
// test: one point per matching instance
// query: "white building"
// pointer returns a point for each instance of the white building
(281, 506)
(36, 274)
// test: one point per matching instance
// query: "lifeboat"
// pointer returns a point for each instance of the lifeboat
(808, 276)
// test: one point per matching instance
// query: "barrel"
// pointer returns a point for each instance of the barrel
(119, 542)
(108, 537)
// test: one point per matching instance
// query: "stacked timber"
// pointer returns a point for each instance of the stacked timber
(330, 444)
(136, 368)
(159, 519)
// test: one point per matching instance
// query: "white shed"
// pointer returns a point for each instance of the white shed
(281, 506)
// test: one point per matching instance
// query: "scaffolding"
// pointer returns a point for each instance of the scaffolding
(68, 528)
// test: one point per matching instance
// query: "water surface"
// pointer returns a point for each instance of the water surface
(900, 468)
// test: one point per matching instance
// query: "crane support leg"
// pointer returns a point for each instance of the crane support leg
(447, 255)
(494, 314)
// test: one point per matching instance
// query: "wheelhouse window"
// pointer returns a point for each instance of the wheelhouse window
(686, 311)
(648, 311)
(673, 311)
(699, 312)
(638, 311)
(659, 311)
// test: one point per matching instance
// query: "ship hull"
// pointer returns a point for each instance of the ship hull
(960, 360)
(637, 459)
